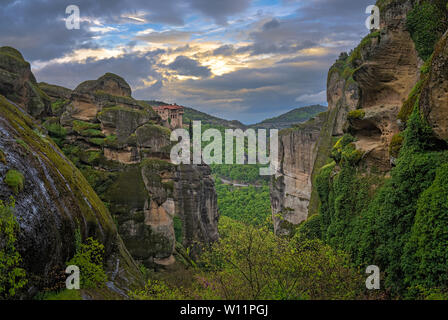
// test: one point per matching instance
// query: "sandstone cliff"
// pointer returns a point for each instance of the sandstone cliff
(365, 92)
(122, 147)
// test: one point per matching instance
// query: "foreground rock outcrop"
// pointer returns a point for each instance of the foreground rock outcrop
(52, 201)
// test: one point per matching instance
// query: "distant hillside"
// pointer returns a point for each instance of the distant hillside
(290, 118)
(192, 114)
(283, 121)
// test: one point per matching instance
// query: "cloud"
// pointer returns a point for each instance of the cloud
(132, 67)
(320, 97)
(236, 58)
(189, 67)
(224, 50)
(271, 24)
(219, 10)
(165, 37)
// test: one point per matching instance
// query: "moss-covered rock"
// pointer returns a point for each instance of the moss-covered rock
(109, 83)
(56, 200)
(18, 84)
(124, 119)
(395, 145)
(15, 180)
(356, 114)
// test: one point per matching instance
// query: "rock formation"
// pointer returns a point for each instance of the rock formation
(53, 200)
(122, 147)
(118, 146)
(365, 92)
(18, 83)
(434, 97)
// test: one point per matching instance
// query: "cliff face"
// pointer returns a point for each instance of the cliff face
(53, 200)
(291, 186)
(122, 147)
(196, 204)
(18, 83)
(365, 91)
(434, 97)
(386, 71)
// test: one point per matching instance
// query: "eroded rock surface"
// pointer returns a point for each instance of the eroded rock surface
(122, 147)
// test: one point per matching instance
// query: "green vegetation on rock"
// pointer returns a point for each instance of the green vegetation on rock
(426, 22)
(390, 222)
(395, 145)
(356, 114)
(12, 276)
(15, 180)
(90, 260)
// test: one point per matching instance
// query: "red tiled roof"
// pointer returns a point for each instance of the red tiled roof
(168, 107)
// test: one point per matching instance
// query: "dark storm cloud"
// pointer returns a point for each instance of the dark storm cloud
(37, 28)
(224, 50)
(189, 67)
(316, 21)
(262, 92)
(329, 11)
(132, 68)
(271, 24)
(220, 9)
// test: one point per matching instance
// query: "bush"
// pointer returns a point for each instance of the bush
(426, 252)
(89, 259)
(297, 268)
(311, 228)
(425, 23)
(15, 180)
(12, 277)
(395, 145)
(157, 290)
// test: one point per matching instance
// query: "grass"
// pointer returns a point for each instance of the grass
(63, 295)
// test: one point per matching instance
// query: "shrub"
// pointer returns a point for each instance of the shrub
(424, 23)
(297, 268)
(92, 133)
(311, 228)
(15, 180)
(411, 101)
(338, 148)
(178, 229)
(395, 145)
(12, 277)
(426, 251)
(57, 105)
(157, 290)
(89, 259)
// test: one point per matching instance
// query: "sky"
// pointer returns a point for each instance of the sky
(243, 60)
